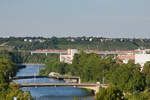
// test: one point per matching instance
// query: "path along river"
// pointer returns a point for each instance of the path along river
(50, 93)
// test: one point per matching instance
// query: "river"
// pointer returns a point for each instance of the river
(50, 93)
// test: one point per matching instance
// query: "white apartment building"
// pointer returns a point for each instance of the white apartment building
(142, 59)
(67, 58)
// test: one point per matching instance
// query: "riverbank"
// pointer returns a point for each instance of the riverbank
(92, 93)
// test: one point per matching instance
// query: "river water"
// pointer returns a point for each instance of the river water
(50, 93)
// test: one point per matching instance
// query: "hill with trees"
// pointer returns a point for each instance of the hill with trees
(99, 43)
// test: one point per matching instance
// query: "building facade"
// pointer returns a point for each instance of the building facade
(142, 59)
(67, 58)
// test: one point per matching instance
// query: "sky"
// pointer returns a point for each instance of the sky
(62, 18)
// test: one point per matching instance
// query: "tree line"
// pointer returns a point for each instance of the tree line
(26, 57)
(75, 43)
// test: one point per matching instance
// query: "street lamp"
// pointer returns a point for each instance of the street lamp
(15, 98)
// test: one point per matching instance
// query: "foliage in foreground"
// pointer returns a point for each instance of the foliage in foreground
(139, 96)
(111, 93)
(9, 90)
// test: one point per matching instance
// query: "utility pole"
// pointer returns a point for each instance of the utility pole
(34, 78)
(38, 69)
(103, 77)
(29, 97)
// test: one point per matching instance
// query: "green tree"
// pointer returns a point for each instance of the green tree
(111, 93)
(139, 96)
(14, 91)
(146, 71)
(127, 77)
(8, 69)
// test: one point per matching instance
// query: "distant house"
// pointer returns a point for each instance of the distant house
(41, 41)
(82, 39)
(91, 39)
(54, 74)
(25, 40)
(30, 40)
(72, 40)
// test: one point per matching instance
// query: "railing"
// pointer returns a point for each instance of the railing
(58, 84)
(30, 64)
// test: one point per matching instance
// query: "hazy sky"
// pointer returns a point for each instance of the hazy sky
(60, 18)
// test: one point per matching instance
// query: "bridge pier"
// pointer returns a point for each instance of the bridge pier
(79, 80)
(94, 88)
(97, 89)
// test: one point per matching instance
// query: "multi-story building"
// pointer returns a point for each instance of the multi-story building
(142, 59)
(67, 58)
